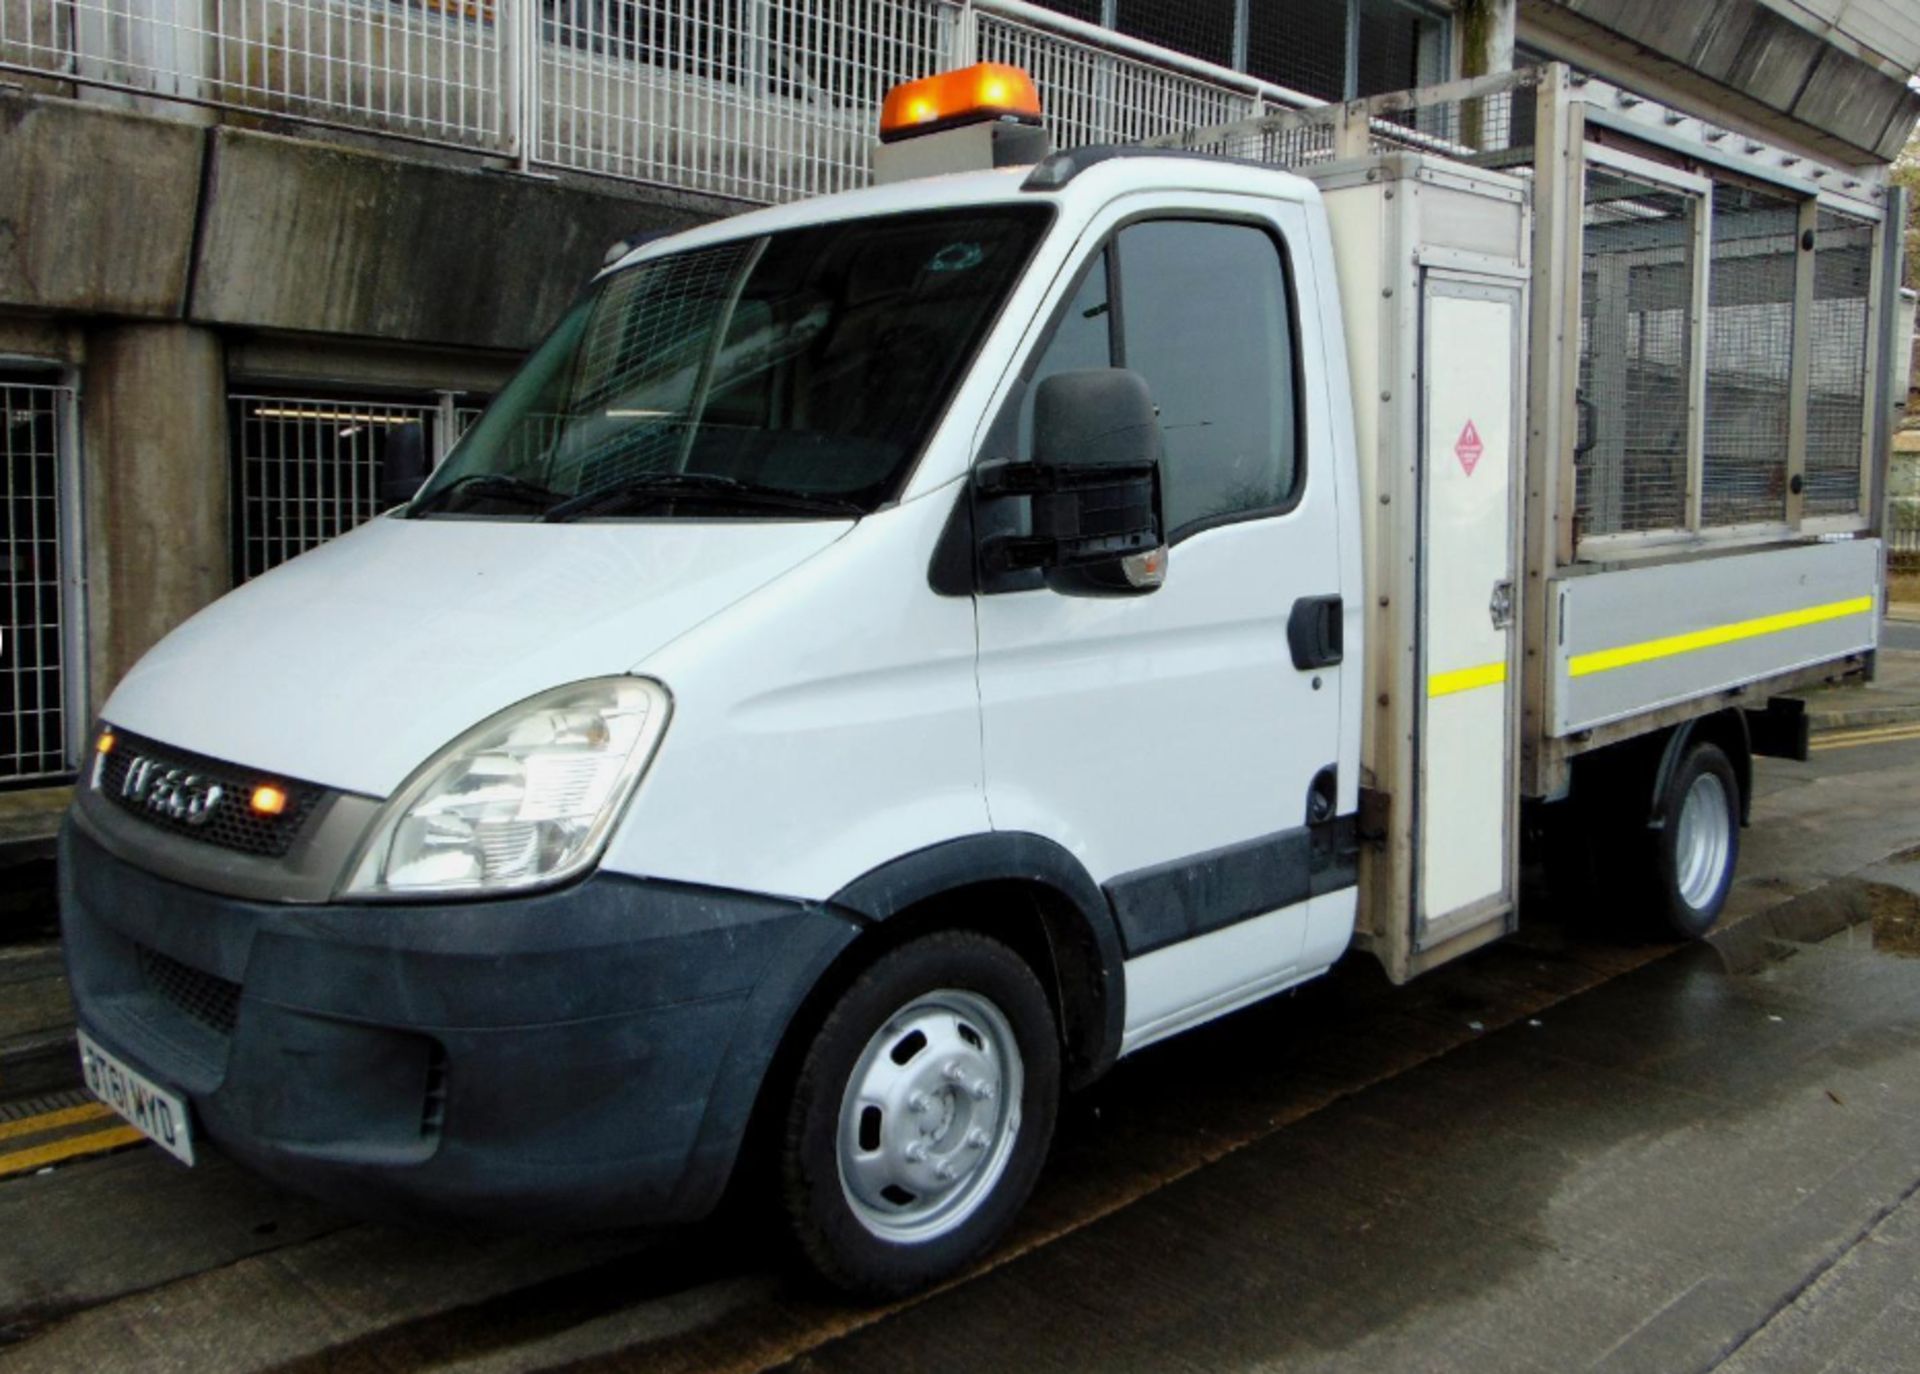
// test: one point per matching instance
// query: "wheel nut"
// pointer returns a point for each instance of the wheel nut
(981, 1090)
(944, 1173)
(976, 1139)
(917, 1102)
(917, 1151)
(952, 1071)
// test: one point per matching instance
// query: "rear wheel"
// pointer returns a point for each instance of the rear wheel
(920, 1115)
(1697, 844)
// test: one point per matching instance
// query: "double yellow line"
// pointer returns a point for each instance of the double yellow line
(1853, 739)
(25, 1161)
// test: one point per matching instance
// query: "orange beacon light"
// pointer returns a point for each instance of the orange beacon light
(972, 95)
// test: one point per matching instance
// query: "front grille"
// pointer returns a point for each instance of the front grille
(231, 821)
(212, 1001)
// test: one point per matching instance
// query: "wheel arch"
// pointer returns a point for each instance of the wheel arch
(1727, 729)
(1021, 888)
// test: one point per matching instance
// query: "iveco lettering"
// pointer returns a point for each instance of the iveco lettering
(885, 658)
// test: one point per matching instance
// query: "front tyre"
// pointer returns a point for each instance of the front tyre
(920, 1115)
(1697, 843)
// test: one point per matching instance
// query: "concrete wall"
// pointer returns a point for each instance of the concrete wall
(154, 436)
(96, 208)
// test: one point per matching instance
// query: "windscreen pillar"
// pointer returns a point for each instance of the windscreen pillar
(154, 446)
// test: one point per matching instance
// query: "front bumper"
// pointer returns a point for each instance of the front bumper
(576, 1058)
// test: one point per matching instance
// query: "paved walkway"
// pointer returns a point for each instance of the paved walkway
(1892, 698)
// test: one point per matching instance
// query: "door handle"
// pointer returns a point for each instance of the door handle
(1314, 632)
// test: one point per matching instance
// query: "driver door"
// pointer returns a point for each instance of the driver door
(1175, 741)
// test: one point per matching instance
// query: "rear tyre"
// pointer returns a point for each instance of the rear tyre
(1696, 845)
(920, 1115)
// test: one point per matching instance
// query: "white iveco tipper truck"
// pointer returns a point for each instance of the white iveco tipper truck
(887, 657)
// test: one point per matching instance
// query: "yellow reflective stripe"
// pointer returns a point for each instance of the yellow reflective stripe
(1466, 679)
(1602, 660)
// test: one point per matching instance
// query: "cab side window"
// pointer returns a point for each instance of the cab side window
(1082, 338)
(1205, 318)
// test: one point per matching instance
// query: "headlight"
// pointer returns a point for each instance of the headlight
(524, 798)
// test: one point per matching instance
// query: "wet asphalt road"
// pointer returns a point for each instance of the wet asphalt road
(1564, 1151)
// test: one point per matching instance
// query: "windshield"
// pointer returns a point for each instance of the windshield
(794, 374)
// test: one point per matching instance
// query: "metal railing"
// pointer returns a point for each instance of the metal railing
(759, 100)
(37, 713)
(1903, 511)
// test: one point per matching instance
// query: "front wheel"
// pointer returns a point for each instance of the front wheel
(1697, 843)
(920, 1115)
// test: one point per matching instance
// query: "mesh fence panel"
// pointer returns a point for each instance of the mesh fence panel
(33, 730)
(1091, 96)
(761, 99)
(1837, 402)
(1636, 282)
(1749, 356)
(1198, 28)
(307, 469)
(432, 69)
(1302, 45)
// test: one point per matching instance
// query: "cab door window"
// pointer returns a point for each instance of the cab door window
(1205, 317)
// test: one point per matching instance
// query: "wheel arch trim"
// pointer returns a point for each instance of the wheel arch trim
(1088, 970)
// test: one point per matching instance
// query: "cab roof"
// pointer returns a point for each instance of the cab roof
(1081, 179)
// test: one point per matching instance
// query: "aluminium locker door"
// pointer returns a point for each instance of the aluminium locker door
(1465, 818)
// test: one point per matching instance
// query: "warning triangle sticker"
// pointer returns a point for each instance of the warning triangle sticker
(1468, 448)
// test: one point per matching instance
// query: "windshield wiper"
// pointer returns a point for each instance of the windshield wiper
(712, 486)
(500, 485)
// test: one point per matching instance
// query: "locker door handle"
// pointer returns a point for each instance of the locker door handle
(1314, 632)
(1501, 607)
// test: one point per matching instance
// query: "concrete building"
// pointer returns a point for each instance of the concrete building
(241, 239)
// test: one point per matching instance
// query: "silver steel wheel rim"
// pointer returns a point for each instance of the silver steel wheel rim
(1704, 843)
(930, 1115)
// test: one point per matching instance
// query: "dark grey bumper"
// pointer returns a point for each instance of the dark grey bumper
(582, 1057)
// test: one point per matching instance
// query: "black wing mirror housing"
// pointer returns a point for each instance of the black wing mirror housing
(404, 465)
(1093, 487)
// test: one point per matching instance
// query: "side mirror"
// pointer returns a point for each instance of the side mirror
(1094, 485)
(404, 467)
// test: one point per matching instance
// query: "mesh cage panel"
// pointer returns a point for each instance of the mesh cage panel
(1836, 401)
(1636, 280)
(1749, 356)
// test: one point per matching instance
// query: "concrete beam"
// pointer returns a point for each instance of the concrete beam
(154, 446)
(1739, 57)
(96, 208)
(315, 237)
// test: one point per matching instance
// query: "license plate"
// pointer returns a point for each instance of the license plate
(159, 1115)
